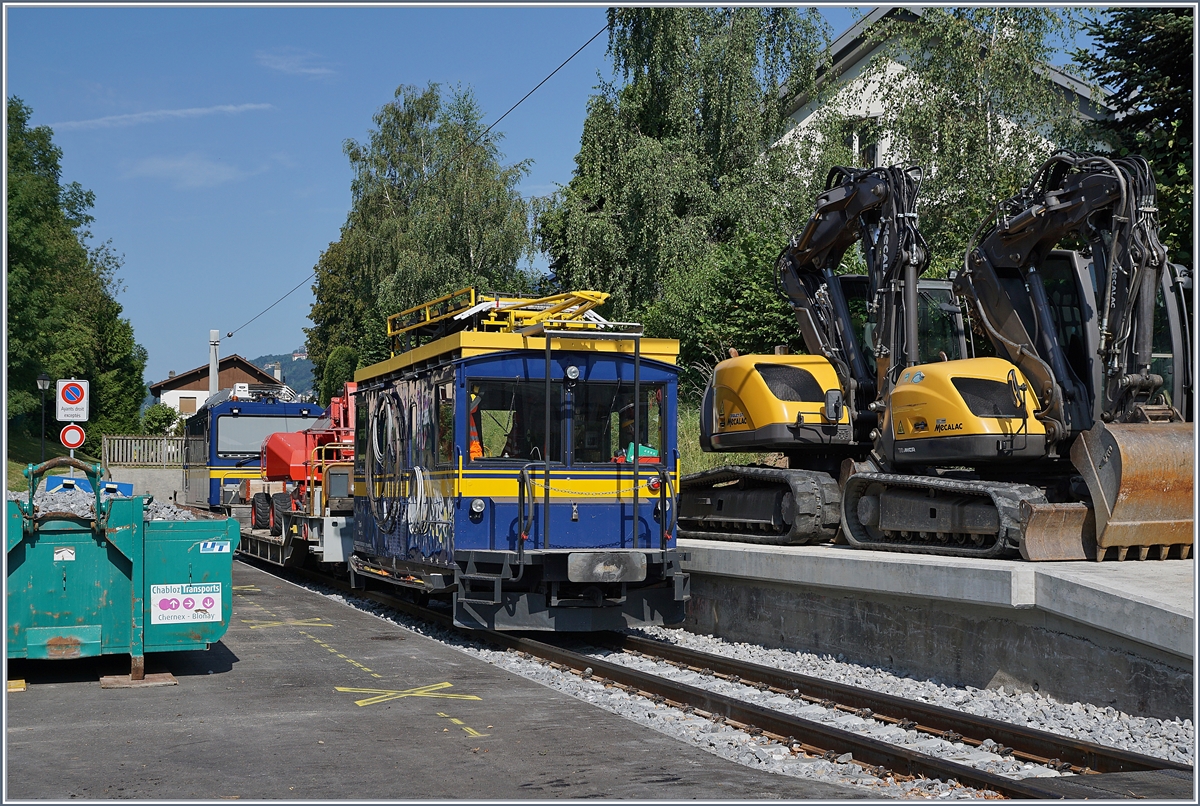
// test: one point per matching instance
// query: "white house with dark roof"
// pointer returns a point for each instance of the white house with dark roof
(851, 54)
(187, 391)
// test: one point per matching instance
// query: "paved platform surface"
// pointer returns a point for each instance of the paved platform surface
(306, 698)
(1148, 601)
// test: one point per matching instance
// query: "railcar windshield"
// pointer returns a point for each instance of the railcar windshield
(604, 420)
(243, 435)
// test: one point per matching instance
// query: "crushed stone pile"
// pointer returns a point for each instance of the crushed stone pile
(83, 505)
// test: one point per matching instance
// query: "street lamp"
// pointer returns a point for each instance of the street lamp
(43, 382)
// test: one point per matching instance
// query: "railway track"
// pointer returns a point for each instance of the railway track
(1061, 753)
(876, 756)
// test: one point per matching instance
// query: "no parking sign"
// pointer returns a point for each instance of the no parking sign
(71, 402)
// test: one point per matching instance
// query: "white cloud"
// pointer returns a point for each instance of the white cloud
(157, 115)
(293, 61)
(189, 171)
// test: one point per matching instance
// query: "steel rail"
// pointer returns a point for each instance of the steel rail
(880, 757)
(1026, 744)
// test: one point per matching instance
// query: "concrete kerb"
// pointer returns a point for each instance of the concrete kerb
(1123, 612)
(1077, 594)
(985, 582)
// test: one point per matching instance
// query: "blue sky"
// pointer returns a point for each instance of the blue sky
(212, 137)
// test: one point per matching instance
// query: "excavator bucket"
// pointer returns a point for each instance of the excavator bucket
(1140, 477)
(1057, 532)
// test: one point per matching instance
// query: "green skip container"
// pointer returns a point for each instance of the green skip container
(117, 584)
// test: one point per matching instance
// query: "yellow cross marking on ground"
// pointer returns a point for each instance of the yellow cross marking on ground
(469, 730)
(253, 588)
(385, 695)
(294, 622)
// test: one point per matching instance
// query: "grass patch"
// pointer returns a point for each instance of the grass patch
(25, 449)
(693, 460)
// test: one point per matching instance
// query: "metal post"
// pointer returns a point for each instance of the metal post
(214, 362)
(637, 431)
(43, 382)
(546, 455)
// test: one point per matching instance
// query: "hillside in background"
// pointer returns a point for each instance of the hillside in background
(296, 374)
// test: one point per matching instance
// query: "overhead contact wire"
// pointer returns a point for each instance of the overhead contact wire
(453, 159)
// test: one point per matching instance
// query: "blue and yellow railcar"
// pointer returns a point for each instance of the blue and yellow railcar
(520, 455)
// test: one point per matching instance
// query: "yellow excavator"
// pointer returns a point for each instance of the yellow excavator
(1074, 442)
(818, 409)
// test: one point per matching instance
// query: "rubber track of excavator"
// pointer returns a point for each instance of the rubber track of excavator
(816, 496)
(1006, 497)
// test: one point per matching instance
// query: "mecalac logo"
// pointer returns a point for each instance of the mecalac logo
(943, 426)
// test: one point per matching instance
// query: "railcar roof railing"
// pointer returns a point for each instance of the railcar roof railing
(465, 309)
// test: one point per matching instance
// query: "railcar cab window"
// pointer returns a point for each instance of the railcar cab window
(506, 420)
(361, 424)
(445, 424)
(603, 422)
(195, 449)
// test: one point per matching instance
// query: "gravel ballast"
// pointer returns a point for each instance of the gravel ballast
(1166, 739)
(1169, 739)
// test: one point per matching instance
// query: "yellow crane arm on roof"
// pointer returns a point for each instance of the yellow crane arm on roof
(504, 314)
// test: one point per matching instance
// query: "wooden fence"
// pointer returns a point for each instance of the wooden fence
(137, 451)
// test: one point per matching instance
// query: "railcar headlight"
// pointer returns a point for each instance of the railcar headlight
(573, 373)
(475, 511)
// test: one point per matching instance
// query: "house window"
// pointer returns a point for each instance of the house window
(187, 405)
(863, 142)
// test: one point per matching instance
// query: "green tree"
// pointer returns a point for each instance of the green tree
(159, 420)
(339, 369)
(44, 254)
(966, 94)
(680, 162)
(1145, 56)
(685, 187)
(433, 209)
(63, 315)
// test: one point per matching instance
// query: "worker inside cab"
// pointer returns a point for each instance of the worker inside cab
(506, 420)
(475, 426)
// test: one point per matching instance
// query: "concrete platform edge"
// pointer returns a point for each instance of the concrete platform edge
(989, 583)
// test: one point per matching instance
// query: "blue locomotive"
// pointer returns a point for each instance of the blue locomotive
(225, 436)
